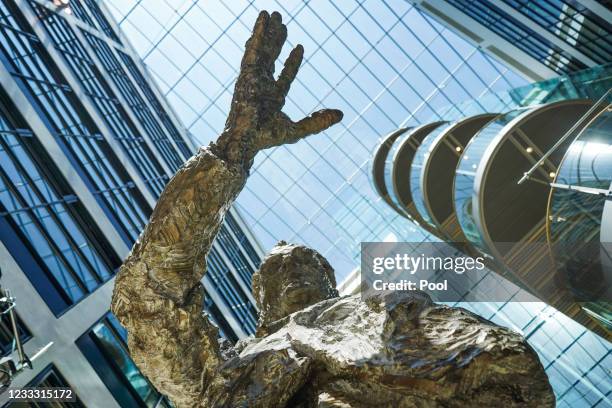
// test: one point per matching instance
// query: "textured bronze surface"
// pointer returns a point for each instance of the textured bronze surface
(313, 348)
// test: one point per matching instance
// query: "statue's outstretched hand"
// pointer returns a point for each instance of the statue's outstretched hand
(255, 121)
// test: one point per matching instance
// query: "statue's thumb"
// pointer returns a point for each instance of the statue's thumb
(317, 122)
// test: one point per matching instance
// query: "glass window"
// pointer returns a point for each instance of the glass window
(95, 10)
(492, 17)
(106, 349)
(138, 106)
(155, 103)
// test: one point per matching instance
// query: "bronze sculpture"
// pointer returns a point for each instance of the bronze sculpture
(313, 348)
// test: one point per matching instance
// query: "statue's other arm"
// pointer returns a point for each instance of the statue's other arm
(158, 296)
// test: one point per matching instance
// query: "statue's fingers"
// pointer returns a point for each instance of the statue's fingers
(276, 37)
(255, 43)
(290, 70)
(317, 122)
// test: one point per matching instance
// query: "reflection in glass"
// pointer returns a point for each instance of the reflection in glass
(112, 343)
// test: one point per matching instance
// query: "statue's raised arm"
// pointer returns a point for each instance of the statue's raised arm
(158, 294)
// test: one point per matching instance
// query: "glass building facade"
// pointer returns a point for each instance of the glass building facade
(87, 144)
(566, 35)
(42, 223)
(387, 64)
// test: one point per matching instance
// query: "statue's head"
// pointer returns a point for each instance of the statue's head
(290, 278)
